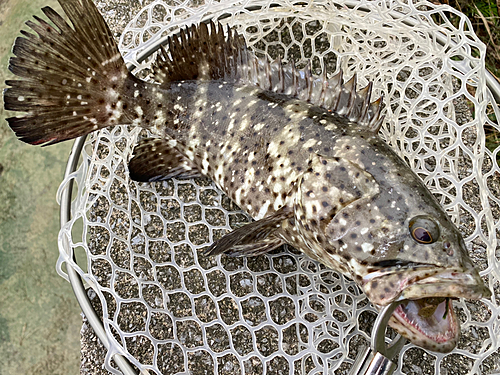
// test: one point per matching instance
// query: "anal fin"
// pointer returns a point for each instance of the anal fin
(155, 159)
(253, 239)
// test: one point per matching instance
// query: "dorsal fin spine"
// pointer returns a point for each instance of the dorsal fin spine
(244, 69)
(376, 120)
(352, 94)
(221, 53)
(336, 96)
(309, 82)
(255, 72)
(324, 86)
(267, 75)
(366, 93)
(294, 79)
(378, 124)
(346, 96)
(281, 74)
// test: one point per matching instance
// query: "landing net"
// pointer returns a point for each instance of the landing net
(170, 310)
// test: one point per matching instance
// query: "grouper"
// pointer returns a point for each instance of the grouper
(299, 153)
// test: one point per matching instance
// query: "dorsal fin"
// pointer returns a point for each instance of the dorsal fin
(200, 52)
(205, 52)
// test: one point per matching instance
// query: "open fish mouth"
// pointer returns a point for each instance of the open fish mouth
(425, 315)
(428, 322)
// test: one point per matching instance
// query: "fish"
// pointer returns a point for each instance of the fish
(300, 153)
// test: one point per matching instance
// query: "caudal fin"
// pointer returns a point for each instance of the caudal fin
(71, 77)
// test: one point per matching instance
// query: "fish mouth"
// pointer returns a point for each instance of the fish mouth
(428, 322)
(425, 315)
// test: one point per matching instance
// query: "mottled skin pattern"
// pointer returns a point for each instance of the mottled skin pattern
(350, 196)
(308, 176)
(257, 146)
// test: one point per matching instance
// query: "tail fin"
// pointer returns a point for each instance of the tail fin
(71, 77)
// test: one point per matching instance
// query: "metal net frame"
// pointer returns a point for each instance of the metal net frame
(168, 309)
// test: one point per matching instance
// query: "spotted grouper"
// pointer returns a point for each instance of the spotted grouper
(299, 153)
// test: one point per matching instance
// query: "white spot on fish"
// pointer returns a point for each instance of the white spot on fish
(367, 247)
(278, 203)
(263, 210)
(117, 113)
(159, 117)
(231, 125)
(309, 143)
(259, 126)
(357, 268)
(218, 173)
(244, 124)
(190, 154)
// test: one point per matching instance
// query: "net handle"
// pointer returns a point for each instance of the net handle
(378, 334)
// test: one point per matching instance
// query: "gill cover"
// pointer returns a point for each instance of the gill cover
(326, 193)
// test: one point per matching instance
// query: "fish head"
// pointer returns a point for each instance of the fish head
(396, 241)
(421, 259)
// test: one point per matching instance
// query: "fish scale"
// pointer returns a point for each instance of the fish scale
(301, 154)
(263, 141)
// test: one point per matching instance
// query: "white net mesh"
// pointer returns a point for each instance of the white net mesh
(171, 310)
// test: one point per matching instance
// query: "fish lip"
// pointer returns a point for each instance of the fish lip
(411, 285)
(423, 282)
(449, 283)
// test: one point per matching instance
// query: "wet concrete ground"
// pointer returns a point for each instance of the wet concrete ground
(39, 316)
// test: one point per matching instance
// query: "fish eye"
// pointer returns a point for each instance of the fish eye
(424, 230)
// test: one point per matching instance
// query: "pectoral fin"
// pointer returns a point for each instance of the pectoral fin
(156, 159)
(256, 238)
